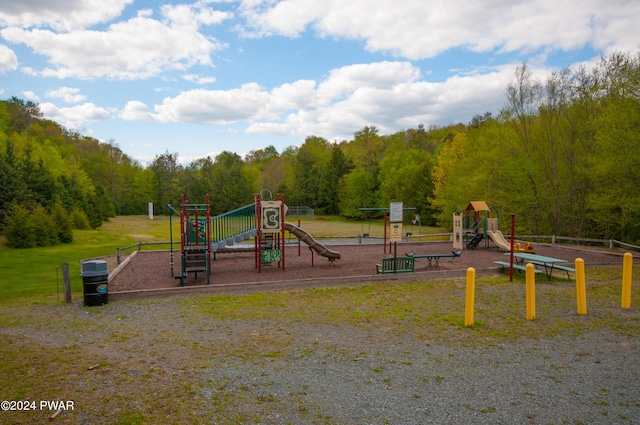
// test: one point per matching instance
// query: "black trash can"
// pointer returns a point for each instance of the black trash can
(95, 282)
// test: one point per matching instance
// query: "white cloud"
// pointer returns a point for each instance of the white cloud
(216, 107)
(59, 14)
(74, 117)
(350, 78)
(389, 95)
(8, 59)
(289, 18)
(300, 94)
(140, 47)
(199, 79)
(68, 94)
(415, 29)
(135, 110)
(192, 16)
(30, 95)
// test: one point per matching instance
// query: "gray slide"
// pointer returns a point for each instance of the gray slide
(305, 237)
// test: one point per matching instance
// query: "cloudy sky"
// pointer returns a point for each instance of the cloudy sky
(199, 77)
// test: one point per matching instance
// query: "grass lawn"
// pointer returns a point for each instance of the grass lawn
(36, 272)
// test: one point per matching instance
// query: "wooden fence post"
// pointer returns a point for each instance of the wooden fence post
(66, 279)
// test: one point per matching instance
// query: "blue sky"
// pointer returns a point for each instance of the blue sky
(201, 77)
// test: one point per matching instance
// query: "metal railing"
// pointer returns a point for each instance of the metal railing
(233, 223)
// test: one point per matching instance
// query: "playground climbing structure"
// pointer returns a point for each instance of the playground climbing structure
(477, 224)
(195, 239)
(270, 230)
(262, 221)
(203, 236)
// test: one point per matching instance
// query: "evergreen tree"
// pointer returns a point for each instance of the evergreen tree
(62, 222)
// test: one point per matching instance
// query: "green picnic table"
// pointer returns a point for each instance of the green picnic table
(549, 263)
(435, 257)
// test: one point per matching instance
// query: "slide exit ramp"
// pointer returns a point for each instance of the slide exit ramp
(306, 237)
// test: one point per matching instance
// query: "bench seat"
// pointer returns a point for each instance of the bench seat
(519, 267)
(396, 265)
(553, 267)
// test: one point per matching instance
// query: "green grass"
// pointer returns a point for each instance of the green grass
(36, 272)
(413, 307)
(323, 226)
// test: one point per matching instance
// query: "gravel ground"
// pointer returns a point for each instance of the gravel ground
(592, 379)
(270, 370)
(329, 374)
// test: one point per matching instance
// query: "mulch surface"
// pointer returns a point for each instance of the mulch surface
(151, 270)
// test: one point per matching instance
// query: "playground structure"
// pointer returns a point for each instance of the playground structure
(263, 220)
(502, 243)
(475, 226)
(195, 239)
(498, 238)
(526, 247)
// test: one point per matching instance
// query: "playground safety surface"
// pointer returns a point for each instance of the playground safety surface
(148, 273)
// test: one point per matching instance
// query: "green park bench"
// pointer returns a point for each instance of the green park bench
(396, 265)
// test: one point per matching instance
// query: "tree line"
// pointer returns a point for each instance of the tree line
(562, 155)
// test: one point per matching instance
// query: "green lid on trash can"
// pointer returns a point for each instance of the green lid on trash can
(94, 268)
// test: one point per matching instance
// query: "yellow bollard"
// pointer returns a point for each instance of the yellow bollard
(627, 267)
(531, 291)
(471, 289)
(581, 287)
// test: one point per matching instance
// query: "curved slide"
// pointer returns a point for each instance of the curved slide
(305, 237)
(498, 238)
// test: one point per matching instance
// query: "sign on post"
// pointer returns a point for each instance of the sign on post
(270, 214)
(396, 232)
(395, 220)
(395, 212)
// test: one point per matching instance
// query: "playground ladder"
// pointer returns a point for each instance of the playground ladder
(195, 260)
(195, 239)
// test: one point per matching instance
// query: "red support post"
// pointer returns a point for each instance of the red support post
(385, 234)
(513, 237)
(182, 223)
(256, 200)
(208, 235)
(282, 212)
(196, 228)
(299, 241)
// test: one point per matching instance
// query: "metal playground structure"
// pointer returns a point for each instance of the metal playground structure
(203, 236)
